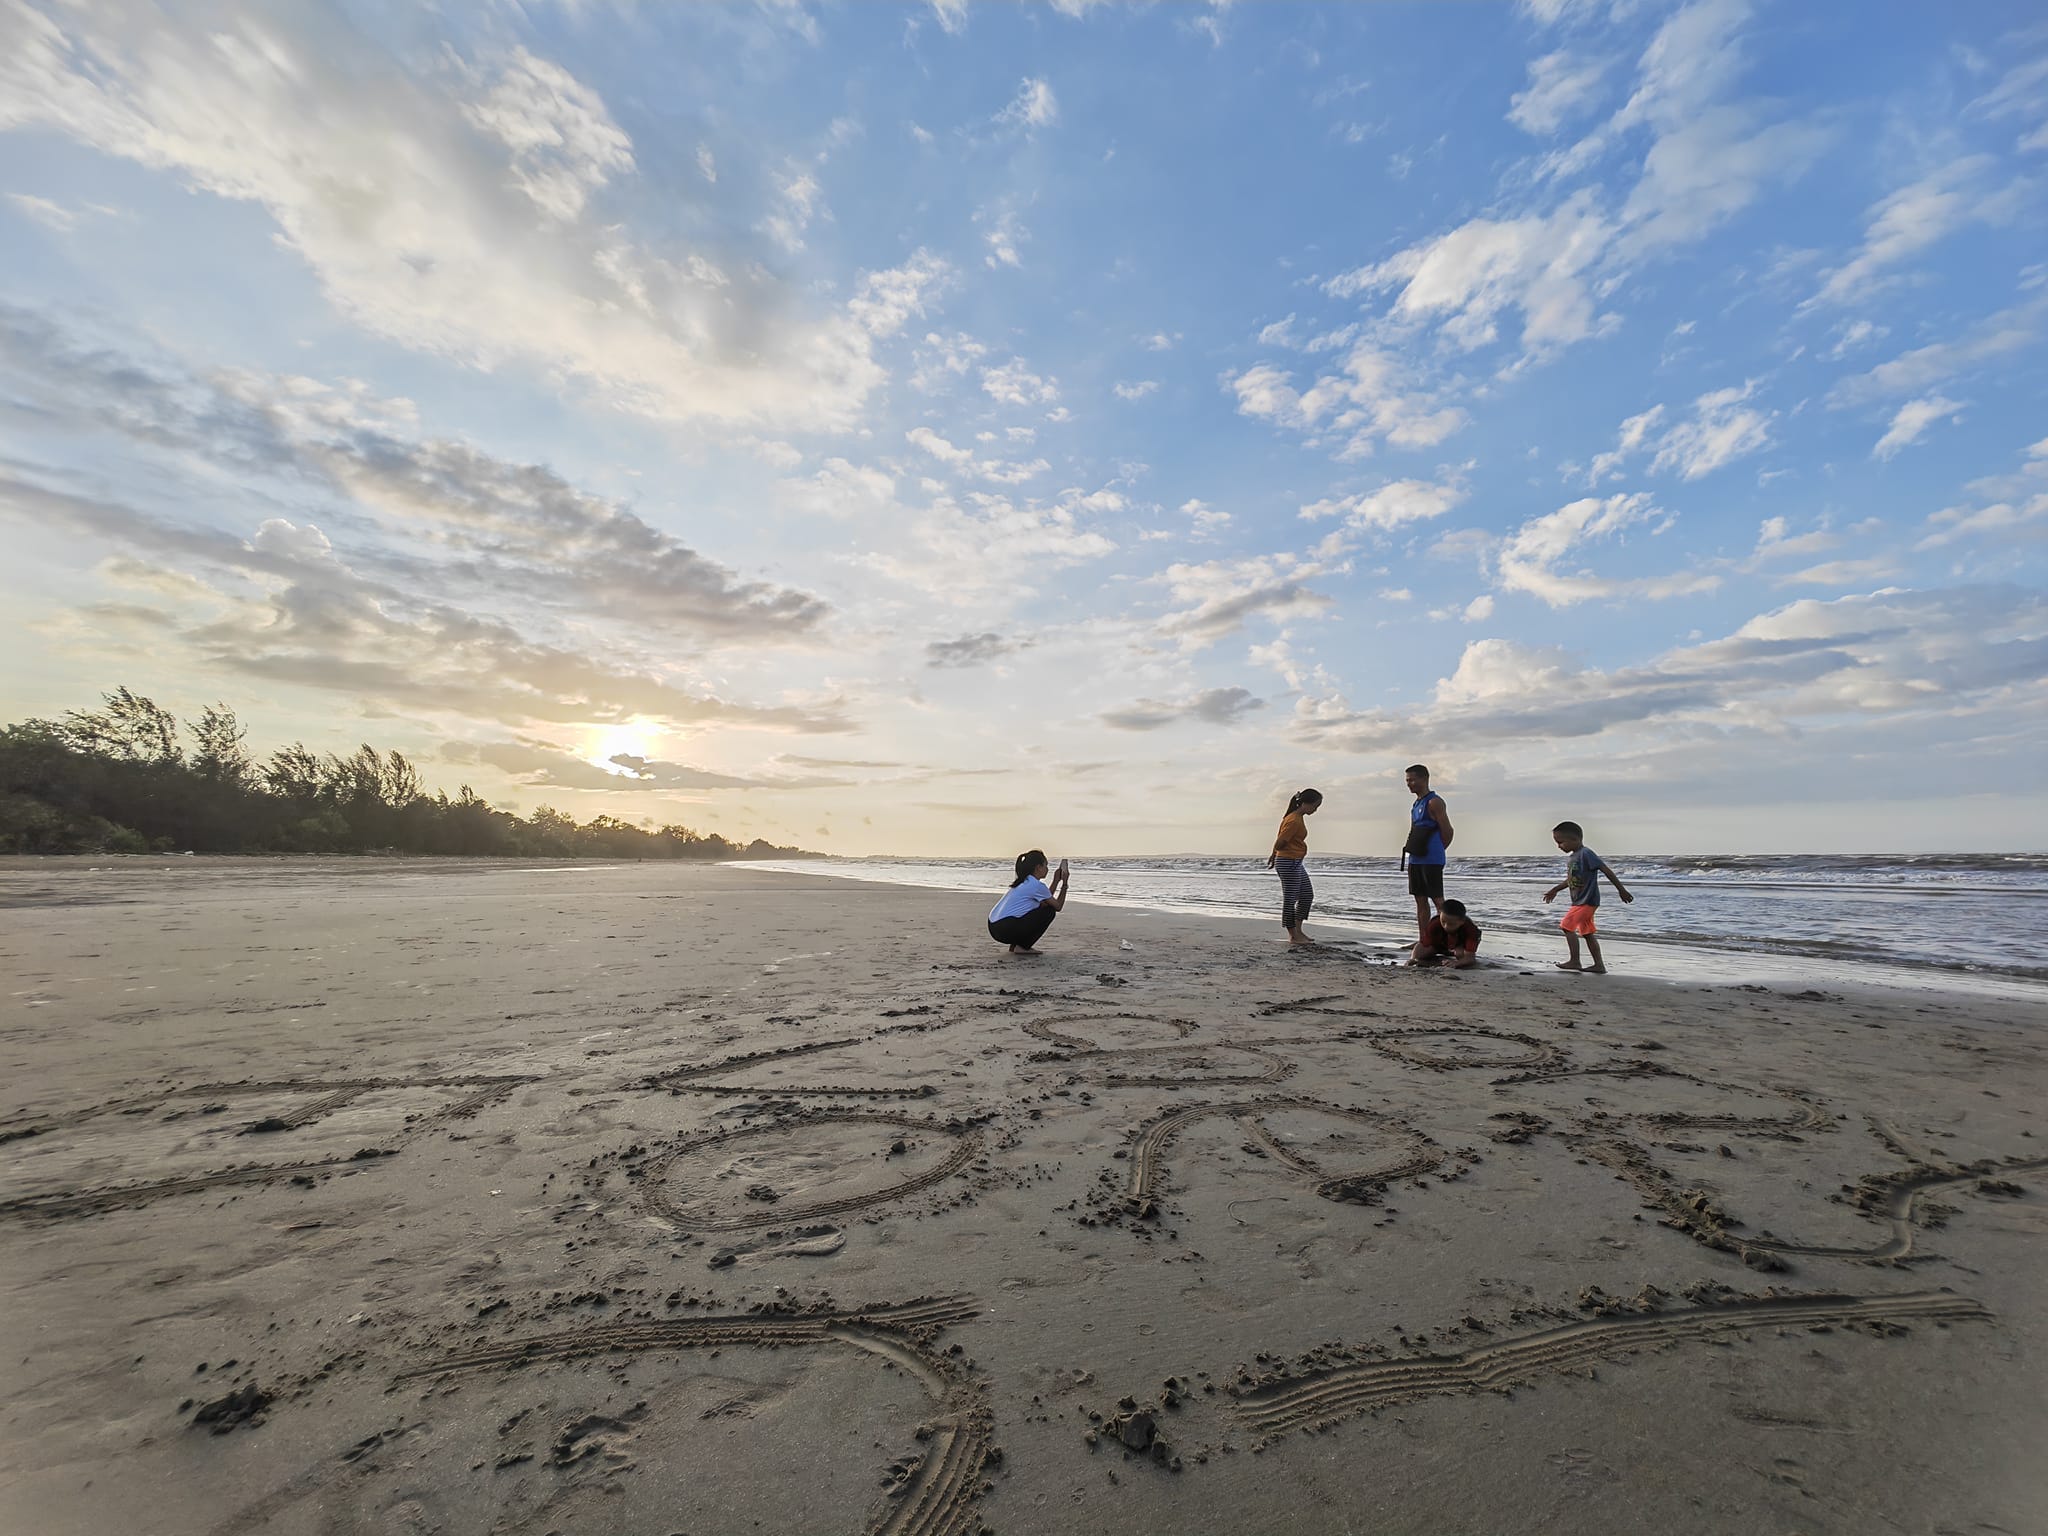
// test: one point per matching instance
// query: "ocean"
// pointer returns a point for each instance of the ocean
(1931, 918)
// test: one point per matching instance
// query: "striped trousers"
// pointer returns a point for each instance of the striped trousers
(1297, 892)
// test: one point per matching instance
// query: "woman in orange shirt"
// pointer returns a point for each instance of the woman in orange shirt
(1290, 849)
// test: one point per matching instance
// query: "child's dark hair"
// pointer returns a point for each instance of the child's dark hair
(1455, 907)
(1303, 797)
(1027, 862)
(1570, 829)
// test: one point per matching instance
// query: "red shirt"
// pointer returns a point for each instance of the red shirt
(1440, 940)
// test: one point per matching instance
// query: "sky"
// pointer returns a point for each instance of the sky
(955, 427)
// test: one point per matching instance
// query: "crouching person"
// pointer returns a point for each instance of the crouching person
(1029, 905)
(1451, 940)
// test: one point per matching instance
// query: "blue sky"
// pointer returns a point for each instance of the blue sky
(941, 427)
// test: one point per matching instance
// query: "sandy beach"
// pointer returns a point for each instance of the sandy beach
(427, 1196)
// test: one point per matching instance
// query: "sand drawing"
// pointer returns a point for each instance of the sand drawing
(1808, 1113)
(329, 1095)
(687, 1079)
(1146, 1180)
(934, 1495)
(1274, 1406)
(1895, 1200)
(1407, 1045)
(1088, 1061)
(1048, 1030)
(701, 1207)
(1123, 1069)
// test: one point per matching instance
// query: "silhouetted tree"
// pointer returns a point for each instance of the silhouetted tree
(115, 780)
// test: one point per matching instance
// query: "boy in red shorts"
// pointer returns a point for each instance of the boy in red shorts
(1451, 940)
(1582, 870)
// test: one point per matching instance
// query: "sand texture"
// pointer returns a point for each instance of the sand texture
(405, 1197)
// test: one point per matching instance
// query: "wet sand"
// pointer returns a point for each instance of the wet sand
(406, 1196)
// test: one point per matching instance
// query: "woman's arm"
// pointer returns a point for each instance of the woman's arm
(1058, 900)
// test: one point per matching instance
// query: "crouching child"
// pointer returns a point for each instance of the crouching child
(1452, 940)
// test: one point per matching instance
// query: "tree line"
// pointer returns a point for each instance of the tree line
(125, 778)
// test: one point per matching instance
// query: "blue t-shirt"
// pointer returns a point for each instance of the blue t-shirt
(1582, 876)
(1020, 898)
(1418, 814)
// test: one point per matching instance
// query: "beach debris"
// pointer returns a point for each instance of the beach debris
(242, 1406)
(1515, 1127)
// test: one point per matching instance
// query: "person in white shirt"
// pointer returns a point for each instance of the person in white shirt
(1029, 905)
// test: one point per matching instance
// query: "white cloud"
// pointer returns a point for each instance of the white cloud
(1708, 157)
(1035, 106)
(1914, 218)
(1349, 411)
(1537, 266)
(1886, 657)
(1015, 384)
(942, 359)
(1912, 421)
(986, 552)
(1159, 341)
(564, 143)
(2020, 510)
(1002, 472)
(1857, 333)
(883, 302)
(1137, 391)
(2022, 92)
(938, 447)
(951, 14)
(1561, 87)
(1217, 597)
(1607, 466)
(1527, 559)
(2009, 330)
(1723, 428)
(1002, 235)
(1479, 609)
(1278, 334)
(707, 164)
(800, 196)
(50, 215)
(1213, 706)
(845, 490)
(1391, 506)
(1205, 517)
(450, 215)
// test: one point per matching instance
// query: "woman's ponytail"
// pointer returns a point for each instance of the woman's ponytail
(1026, 862)
(1303, 797)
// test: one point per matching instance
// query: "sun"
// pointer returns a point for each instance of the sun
(632, 738)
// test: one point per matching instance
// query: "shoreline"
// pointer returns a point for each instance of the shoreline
(1525, 947)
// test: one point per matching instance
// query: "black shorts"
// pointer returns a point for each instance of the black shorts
(1426, 880)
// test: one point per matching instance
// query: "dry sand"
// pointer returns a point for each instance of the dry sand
(406, 1196)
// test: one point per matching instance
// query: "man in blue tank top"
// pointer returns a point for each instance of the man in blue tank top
(1429, 838)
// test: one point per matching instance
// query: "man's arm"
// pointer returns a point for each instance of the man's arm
(1440, 814)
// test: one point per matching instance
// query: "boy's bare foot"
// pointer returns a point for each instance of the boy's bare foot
(1569, 965)
(1596, 970)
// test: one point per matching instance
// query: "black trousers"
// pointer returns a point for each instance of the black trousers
(1025, 929)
